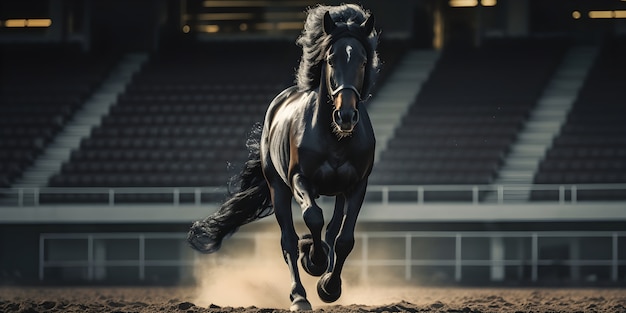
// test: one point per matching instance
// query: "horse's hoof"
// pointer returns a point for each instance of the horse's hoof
(300, 304)
(306, 244)
(323, 291)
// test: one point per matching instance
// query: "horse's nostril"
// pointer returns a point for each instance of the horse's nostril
(337, 117)
(355, 117)
(346, 119)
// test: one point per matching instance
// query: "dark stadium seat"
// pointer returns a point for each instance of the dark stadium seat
(591, 146)
(467, 115)
(184, 118)
(181, 121)
(39, 93)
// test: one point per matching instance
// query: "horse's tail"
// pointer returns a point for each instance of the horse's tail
(250, 202)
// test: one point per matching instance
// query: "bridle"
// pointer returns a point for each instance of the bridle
(334, 92)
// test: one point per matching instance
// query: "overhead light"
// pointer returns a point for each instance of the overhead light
(576, 15)
(32, 22)
(471, 3)
(607, 14)
(209, 28)
(15, 23)
(463, 3)
(601, 14)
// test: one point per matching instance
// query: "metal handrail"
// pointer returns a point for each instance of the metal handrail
(34, 193)
(365, 261)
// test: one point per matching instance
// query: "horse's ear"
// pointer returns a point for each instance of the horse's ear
(368, 25)
(329, 24)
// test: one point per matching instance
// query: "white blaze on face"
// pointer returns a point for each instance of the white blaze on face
(349, 52)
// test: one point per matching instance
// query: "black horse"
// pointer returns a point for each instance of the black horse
(317, 139)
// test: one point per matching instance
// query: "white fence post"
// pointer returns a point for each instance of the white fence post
(111, 197)
(385, 195)
(475, 195)
(176, 196)
(420, 195)
(142, 257)
(197, 196)
(614, 257)
(36, 196)
(90, 261)
(20, 197)
(534, 256)
(408, 257)
(458, 259)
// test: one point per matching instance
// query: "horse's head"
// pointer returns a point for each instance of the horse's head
(345, 68)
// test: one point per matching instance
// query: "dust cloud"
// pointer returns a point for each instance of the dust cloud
(250, 271)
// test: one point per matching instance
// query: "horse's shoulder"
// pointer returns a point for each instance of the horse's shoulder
(284, 95)
(288, 100)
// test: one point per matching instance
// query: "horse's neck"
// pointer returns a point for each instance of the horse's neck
(324, 109)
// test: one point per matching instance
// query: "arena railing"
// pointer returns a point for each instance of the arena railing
(376, 194)
(529, 255)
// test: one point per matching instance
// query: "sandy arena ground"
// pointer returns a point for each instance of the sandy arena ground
(261, 285)
(372, 300)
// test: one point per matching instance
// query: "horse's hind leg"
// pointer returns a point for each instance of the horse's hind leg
(314, 251)
(281, 198)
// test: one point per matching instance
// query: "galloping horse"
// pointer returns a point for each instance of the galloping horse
(317, 139)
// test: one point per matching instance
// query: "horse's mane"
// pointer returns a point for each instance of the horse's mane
(315, 42)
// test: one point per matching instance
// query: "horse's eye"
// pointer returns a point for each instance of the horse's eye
(364, 64)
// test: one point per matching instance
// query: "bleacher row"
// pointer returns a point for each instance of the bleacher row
(183, 120)
(470, 109)
(40, 91)
(591, 147)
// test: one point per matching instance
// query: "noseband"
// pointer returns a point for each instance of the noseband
(334, 92)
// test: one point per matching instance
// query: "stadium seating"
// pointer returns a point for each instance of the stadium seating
(42, 86)
(467, 114)
(591, 147)
(183, 120)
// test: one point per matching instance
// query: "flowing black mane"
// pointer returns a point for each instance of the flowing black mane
(315, 43)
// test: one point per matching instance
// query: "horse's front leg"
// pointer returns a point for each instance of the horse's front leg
(313, 251)
(329, 285)
(281, 198)
(332, 230)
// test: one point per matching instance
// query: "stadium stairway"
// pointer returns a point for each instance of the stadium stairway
(80, 125)
(395, 97)
(543, 124)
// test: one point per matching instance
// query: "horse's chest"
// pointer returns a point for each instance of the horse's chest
(334, 175)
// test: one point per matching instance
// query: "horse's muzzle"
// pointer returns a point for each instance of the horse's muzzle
(345, 115)
(346, 119)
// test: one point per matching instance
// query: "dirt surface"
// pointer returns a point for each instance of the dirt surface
(401, 299)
